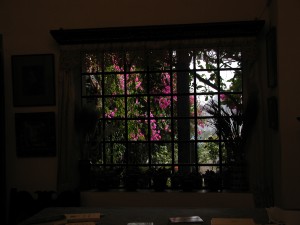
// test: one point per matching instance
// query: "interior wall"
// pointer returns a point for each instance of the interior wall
(25, 26)
(288, 100)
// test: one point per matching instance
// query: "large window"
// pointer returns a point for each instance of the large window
(163, 100)
(179, 109)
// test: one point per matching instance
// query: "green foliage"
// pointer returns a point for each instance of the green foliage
(125, 74)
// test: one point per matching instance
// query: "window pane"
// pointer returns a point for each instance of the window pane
(137, 130)
(230, 127)
(136, 83)
(135, 61)
(161, 153)
(230, 58)
(91, 85)
(137, 107)
(138, 153)
(226, 152)
(114, 153)
(114, 107)
(231, 80)
(114, 84)
(160, 106)
(206, 81)
(161, 130)
(193, 131)
(114, 130)
(113, 62)
(201, 101)
(206, 128)
(208, 152)
(206, 59)
(91, 62)
(231, 104)
(160, 83)
(159, 60)
(210, 107)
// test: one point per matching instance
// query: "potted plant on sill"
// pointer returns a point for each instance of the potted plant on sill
(159, 178)
(191, 181)
(176, 179)
(131, 177)
(107, 178)
(212, 180)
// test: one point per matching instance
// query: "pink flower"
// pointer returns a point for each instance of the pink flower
(223, 97)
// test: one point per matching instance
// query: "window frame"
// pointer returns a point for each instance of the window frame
(157, 33)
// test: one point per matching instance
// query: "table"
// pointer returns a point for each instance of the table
(157, 215)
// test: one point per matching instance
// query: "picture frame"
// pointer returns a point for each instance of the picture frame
(271, 49)
(33, 80)
(273, 112)
(35, 134)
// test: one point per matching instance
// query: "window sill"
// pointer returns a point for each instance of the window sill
(143, 198)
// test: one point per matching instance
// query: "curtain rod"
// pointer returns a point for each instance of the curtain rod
(157, 32)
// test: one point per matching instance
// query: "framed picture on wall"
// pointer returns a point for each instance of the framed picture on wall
(271, 44)
(35, 134)
(33, 80)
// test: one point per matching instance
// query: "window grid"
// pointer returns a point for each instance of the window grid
(173, 118)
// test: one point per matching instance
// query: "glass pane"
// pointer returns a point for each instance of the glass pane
(161, 153)
(208, 152)
(135, 61)
(91, 85)
(114, 84)
(137, 130)
(192, 58)
(91, 62)
(114, 62)
(201, 129)
(201, 101)
(137, 107)
(136, 83)
(206, 59)
(226, 152)
(230, 127)
(160, 83)
(114, 130)
(161, 106)
(175, 152)
(231, 80)
(114, 153)
(210, 107)
(232, 151)
(182, 128)
(175, 129)
(114, 107)
(206, 129)
(138, 153)
(230, 58)
(231, 104)
(206, 81)
(155, 130)
(159, 60)
(161, 130)
(192, 129)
